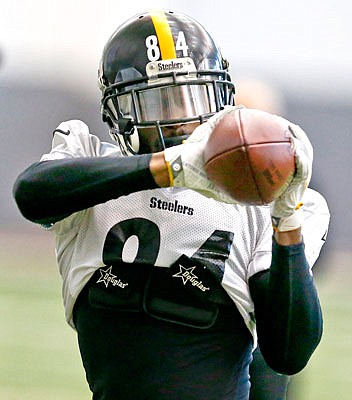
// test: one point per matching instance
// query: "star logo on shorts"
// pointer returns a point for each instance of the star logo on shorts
(185, 274)
(106, 276)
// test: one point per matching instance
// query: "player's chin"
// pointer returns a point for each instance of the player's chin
(175, 140)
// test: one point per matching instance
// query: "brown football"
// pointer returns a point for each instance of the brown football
(249, 155)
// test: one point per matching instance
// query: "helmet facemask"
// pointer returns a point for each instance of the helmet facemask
(140, 110)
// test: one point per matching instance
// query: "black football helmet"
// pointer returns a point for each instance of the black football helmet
(159, 71)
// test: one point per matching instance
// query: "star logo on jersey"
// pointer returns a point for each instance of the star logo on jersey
(187, 276)
(107, 277)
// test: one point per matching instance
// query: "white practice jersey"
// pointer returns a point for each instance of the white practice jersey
(158, 226)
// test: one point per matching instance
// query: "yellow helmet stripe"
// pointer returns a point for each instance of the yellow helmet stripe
(163, 32)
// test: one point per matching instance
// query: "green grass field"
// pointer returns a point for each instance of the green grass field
(39, 358)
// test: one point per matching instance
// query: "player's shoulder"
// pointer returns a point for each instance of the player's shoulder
(69, 132)
(73, 138)
(72, 127)
(314, 199)
(315, 209)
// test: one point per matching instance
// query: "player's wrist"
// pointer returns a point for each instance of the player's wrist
(173, 161)
(288, 238)
(159, 170)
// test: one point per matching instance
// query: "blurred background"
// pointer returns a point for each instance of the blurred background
(293, 58)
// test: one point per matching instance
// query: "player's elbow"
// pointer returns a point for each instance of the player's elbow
(292, 358)
(287, 366)
(27, 193)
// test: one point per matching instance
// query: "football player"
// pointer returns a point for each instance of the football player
(168, 282)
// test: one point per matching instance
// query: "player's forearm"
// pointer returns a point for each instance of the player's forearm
(288, 313)
(51, 190)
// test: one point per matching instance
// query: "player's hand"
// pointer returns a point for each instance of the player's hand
(186, 164)
(285, 210)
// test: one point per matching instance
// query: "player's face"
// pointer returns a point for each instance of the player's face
(173, 135)
(179, 130)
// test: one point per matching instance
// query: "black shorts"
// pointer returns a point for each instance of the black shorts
(133, 356)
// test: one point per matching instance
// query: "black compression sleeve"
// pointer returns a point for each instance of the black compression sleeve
(51, 190)
(287, 309)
